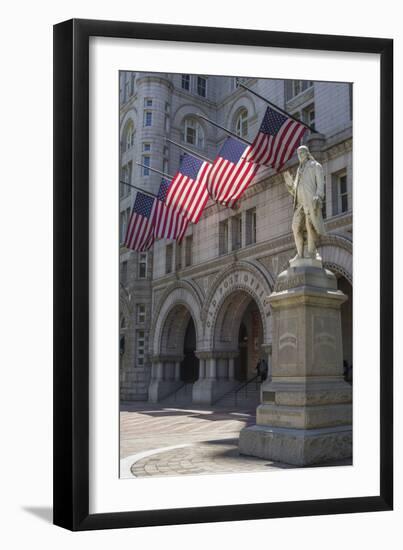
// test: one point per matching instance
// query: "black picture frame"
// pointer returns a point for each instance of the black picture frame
(71, 274)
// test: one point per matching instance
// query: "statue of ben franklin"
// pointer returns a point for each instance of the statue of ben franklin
(308, 190)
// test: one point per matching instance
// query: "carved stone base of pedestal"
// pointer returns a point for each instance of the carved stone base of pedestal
(297, 447)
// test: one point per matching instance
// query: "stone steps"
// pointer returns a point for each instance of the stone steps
(251, 398)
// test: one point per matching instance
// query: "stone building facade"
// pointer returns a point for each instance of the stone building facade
(196, 314)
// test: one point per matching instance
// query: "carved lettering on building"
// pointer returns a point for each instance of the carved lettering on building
(240, 280)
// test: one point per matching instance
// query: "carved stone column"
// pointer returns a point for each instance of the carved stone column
(231, 368)
(177, 371)
(305, 414)
(164, 376)
(208, 388)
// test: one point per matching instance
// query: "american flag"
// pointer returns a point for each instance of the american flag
(231, 173)
(188, 192)
(168, 222)
(276, 141)
(140, 231)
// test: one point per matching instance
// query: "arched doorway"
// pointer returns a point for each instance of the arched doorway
(189, 367)
(176, 362)
(250, 340)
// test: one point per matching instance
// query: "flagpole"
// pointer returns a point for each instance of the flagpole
(156, 171)
(138, 189)
(201, 157)
(222, 128)
(278, 108)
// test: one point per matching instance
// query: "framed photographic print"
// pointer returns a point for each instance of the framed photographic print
(223, 274)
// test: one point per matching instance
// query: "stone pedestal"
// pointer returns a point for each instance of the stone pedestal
(305, 415)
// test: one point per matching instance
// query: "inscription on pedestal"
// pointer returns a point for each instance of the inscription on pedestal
(292, 282)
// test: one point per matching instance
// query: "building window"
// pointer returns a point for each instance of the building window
(296, 87)
(123, 273)
(236, 232)
(127, 91)
(343, 194)
(145, 160)
(192, 133)
(166, 151)
(148, 118)
(223, 237)
(148, 102)
(129, 136)
(126, 178)
(124, 220)
(133, 79)
(168, 258)
(241, 125)
(324, 202)
(178, 257)
(308, 116)
(146, 147)
(188, 250)
(236, 81)
(167, 123)
(141, 313)
(186, 82)
(340, 199)
(165, 166)
(250, 221)
(142, 265)
(202, 86)
(140, 347)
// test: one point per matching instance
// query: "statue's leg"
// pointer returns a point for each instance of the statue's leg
(297, 229)
(312, 237)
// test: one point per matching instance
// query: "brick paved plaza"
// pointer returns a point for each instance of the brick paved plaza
(165, 441)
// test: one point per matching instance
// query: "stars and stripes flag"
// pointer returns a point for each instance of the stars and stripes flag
(140, 230)
(276, 141)
(168, 222)
(231, 173)
(188, 192)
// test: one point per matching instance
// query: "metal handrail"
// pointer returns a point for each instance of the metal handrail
(245, 385)
(236, 390)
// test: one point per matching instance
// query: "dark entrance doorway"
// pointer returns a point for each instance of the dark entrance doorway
(347, 326)
(189, 370)
(241, 362)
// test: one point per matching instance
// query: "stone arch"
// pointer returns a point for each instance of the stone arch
(337, 255)
(188, 111)
(229, 296)
(130, 116)
(124, 307)
(243, 102)
(178, 303)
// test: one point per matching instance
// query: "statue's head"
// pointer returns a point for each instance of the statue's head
(303, 153)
